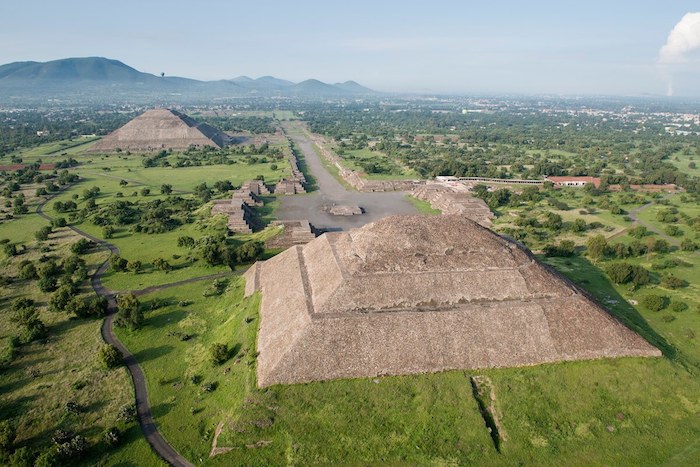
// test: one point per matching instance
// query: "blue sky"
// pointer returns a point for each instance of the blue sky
(591, 47)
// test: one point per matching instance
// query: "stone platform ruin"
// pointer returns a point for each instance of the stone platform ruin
(416, 294)
(344, 210)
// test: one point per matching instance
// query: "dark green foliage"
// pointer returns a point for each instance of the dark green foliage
(60, 222)
(43, 233)
(166, 189)
(185, 241)
(10, 249)
(218, 353)
(678, 306)
(638, 232)
(7, 435)
(162, 265)
(249, 251)
(117, 263)
(654, 302)
(81, 246)
(129, 314)
(673, 231)
(110, 356)
(61, 298)
(27, 271)
(22, 457)
(48, 283)
(689, 245)
(623, 273)
(88, 307)
(578, 225)
(566, 248)
(66, 206)
(673, 282)
(26, 317)
(112, 436)
(134, 266)
(596, 246)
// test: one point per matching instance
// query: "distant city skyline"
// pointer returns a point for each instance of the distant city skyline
(595, 47)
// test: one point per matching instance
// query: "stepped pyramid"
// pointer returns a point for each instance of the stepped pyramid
(417, 294)
(159, 129)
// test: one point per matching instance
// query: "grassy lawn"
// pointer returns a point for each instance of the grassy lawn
(47, 374)
(423, 207)
(353, 159)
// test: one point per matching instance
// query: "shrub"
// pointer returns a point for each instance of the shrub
(688, 245)
(110, 356)
(134, 266)
(7, 435)
(654, 302)
(81, 246)
(113, 436)
(28, 271)
(117, 263)
(43, 233)
(679, 306)
(60, 222)
(673, 282)
(219, 353)
(126, 413)
(596, 246)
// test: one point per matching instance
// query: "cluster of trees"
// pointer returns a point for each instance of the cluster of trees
(216, 250)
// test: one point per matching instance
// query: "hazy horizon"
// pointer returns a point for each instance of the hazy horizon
(542, 47)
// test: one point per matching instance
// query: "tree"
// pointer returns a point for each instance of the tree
(117, 263)
(654, 302)
(81, 246)
(673, 282)
(219, 353)
(638, 232)
(129, 314)
(186, 242)
(596, 246)
(166, 189)
(688, 245)
(678, 306)
(161, 264)
(134, 266)
(145, 191)
(28, 271)
(578, 225)
(43, 233)
(203, 192)
(110, 356)
(7, 435)
(88, 307)
(123, 183)
(61, 298)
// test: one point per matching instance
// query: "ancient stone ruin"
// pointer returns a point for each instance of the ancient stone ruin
(238, 208)
(415, 294)
(344, 210)
(159, 129)
(450, 201)
(294, 232)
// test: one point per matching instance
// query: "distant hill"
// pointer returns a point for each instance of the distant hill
(98, 78)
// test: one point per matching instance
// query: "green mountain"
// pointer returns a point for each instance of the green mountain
(103, 79)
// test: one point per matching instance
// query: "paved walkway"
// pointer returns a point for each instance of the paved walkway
(330, 191)
(143, 409)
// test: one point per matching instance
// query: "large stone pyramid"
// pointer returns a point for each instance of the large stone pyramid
(415, 294)
(159, 129)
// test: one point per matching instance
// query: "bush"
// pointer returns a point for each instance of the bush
(566, 248)
(596, 246)
(7, 435)
(28, 271)
(117, 263)
(126, 413)
(673, 282)
(22, 457)
(673, 231)
(43, 233)
(679, 306)
(654, 302)
(60, 222)
(113, 436)
(49, 458)
(219, 353)
(110, 356)
(688, 245)
(81, 246)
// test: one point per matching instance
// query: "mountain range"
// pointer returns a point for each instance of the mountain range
(108, 78)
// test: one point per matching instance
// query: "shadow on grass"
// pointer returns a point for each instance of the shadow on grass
(587, 276)
(161, 409)
(167, 318)
(152, 353)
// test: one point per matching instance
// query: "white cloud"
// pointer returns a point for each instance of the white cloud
(684, 38)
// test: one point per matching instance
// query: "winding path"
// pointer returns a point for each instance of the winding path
(143, 409)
